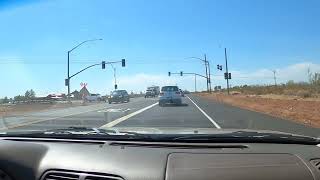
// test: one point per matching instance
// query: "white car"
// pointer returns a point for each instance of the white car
(170, 94)
(93, 97)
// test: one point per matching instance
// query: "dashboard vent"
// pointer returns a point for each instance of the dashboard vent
(71, 175)
(98, 177)
(57, 175)
(316, 163)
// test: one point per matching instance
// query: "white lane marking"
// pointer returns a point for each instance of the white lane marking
(205, 114)
(123, 118)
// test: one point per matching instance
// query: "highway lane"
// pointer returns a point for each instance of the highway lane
(185, 115)
(84, 116)
(236, 118)
(195, 112)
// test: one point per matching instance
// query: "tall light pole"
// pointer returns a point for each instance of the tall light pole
(67, 82)
(115, 77)
(274, 77)
(206, 63)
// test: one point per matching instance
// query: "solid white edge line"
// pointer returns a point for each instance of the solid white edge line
(123, 118)
(205, 114)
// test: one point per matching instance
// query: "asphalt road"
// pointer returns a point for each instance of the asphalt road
(196, 112)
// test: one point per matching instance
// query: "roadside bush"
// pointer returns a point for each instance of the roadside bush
(304, 94)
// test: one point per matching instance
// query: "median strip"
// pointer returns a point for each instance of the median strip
(119, 120)
(205, 114)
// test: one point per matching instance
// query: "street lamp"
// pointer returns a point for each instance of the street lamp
(68, 79)
(115, 77)
(207, 65)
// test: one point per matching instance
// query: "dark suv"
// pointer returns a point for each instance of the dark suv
(119, 96)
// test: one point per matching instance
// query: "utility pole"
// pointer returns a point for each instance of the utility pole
(206, 63)
(195, 83)
(209, 77)
(274, 77)
(225, 55)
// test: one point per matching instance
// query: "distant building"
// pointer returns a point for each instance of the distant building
(84, 92)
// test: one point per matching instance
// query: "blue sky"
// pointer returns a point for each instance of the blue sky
(155, 37)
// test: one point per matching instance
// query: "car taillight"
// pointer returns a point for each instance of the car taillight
(161, 94)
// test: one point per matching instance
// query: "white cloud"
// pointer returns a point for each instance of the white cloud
(297, 72)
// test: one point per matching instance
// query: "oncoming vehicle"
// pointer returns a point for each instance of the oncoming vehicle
(150, 93)
(119, 96)
(170, 94)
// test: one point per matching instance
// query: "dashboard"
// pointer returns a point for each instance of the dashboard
(65, 159)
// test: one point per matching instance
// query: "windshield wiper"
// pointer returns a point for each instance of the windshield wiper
(82, 133)
(245, 137)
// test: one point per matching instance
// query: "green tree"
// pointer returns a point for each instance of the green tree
(19, 98)
(27, 94)
(5, 100)
(32, 94)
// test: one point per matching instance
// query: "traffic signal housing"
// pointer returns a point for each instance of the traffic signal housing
(169, 73)
(123, 61)
(181, 73)
(103, 64)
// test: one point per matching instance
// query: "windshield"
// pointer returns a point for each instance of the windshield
(161, 67)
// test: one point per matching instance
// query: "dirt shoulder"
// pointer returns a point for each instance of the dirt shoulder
(305, 111)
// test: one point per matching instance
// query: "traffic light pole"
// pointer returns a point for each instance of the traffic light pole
(206, 63)
(68, 95)
(68, 79)
(195, 77)
(209, 77)
(225, 55)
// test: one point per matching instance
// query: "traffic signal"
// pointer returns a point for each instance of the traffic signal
(123, 61)
(169, 73)
(181, 73)
(66, 82)
(227, 75)
(115, 86)
(220, 67)
(103, 64)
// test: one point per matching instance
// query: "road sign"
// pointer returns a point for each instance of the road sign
(83, 84)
